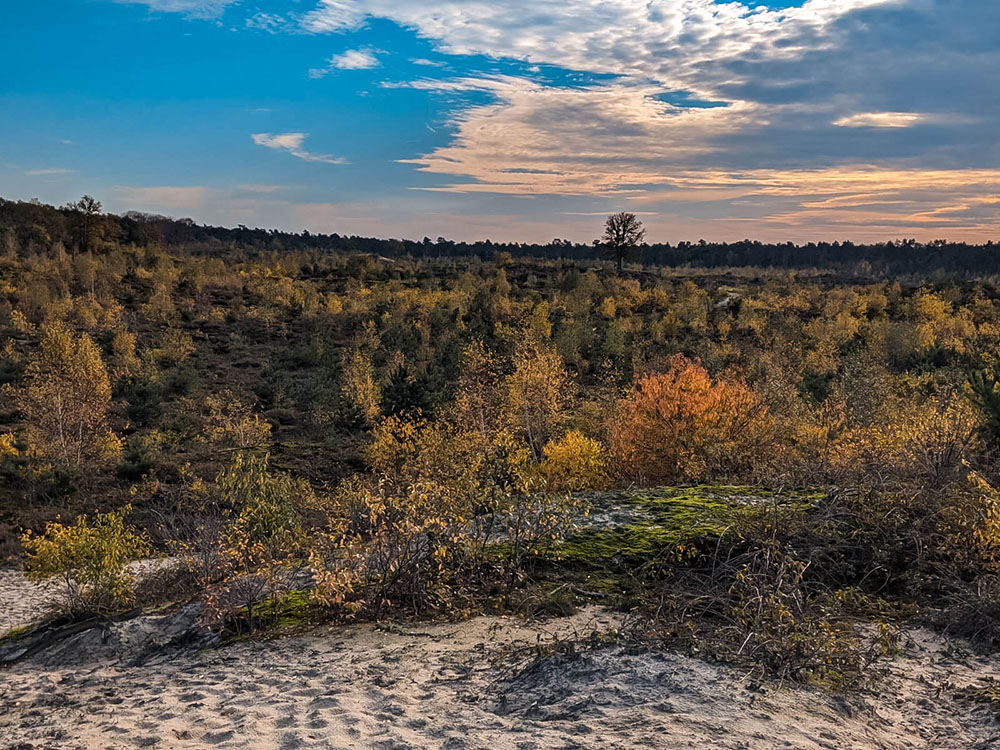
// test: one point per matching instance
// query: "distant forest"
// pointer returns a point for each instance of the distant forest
(33, 224)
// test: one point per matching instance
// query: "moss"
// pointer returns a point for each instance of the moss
(15, 634)
(659, 519)
(295, 609)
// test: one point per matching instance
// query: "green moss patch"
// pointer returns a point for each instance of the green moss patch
(628, 530)
(295, 609)
(15, 634)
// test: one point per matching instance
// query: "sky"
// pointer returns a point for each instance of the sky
(513, 120)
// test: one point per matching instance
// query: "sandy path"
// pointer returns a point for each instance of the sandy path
(434, 686)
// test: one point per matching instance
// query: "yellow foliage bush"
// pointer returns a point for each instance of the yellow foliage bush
(65, 402)
(971, 521)
(251, 549)
(575, 462)
(359, 387)
(909, 438)
(232, 424)
(90, 558)
(537, 391)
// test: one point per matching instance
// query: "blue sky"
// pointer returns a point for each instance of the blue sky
(523, 120)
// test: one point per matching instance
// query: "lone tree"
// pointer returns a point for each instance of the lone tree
(89, 211)
(622, 234)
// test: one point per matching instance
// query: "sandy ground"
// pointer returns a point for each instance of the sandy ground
(23, 601)
(456, 686)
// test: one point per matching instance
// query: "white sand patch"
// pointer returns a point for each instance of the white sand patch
(23, 601)
(445, 686)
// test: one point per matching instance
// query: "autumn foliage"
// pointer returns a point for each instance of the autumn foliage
(65, 402)
(421, 435)
(89, 558)
(685, 425)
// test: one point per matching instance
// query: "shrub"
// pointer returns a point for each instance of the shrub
(389, 545)
(537, 392)
(750, 596)
(65, 402)
(446, 512)
(91, 559)
(232, 424)
(970, 520)
(359, 387)
(684, 425)
(972, 611)
(251, 550)
(574, 462)
(909, 441)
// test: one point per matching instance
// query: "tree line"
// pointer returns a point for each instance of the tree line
(81, 225)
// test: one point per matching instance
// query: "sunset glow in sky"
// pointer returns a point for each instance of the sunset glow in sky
(519, 120)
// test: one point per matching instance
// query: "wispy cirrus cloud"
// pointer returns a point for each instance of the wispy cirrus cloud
(272, 23)
(191, 8)
(293, 144)
(49, 172)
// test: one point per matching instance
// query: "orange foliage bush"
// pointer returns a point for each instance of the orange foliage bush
(684, 424)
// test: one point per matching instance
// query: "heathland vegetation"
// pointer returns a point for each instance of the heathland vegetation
(322, 429)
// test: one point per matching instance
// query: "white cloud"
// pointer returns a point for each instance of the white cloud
(272, 23)
(666, 40)
(355, 59)
(881, 120)
(352, 59)
(292, 143)
(546, 140)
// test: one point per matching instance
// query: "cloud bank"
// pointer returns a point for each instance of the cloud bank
(874, 111)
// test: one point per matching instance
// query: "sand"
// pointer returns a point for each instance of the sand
(23, 601)
(472, 684)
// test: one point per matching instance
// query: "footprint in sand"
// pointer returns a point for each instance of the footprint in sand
(215, 738)
(327, 702)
